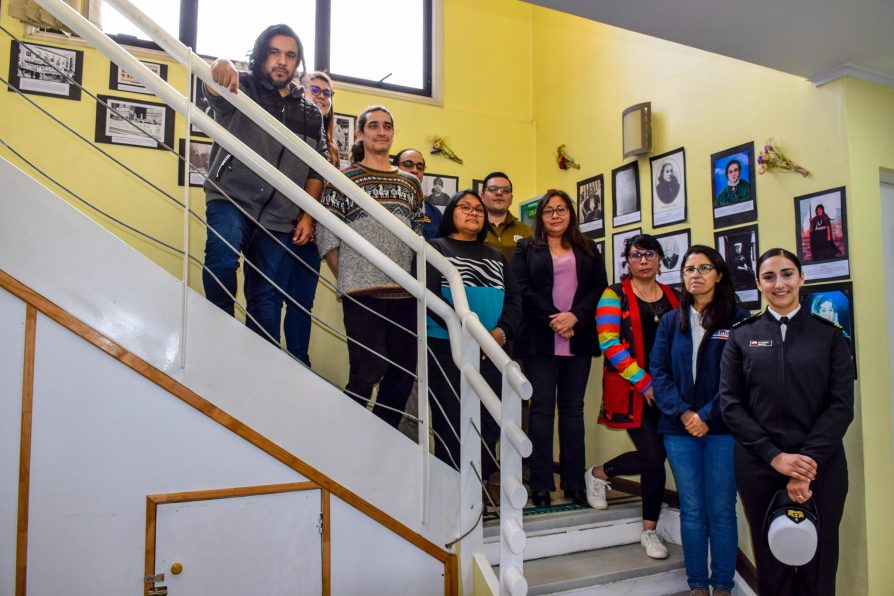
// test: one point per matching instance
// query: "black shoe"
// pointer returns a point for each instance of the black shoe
(578, 496)
(541, 498)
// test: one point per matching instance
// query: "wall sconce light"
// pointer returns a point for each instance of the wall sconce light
(636, 128)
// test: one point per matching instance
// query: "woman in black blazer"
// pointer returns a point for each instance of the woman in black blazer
(561, 276)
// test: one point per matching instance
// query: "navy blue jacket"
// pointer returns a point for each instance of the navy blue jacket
(670, 365)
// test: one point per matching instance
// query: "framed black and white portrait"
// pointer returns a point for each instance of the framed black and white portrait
(600, 246)
(438, 188)
(120, 80)
(739, 249)
(199, 161)
(45, 70)
(674, 245)
(134, 122)
(343, 133)
(625, 195)
(618, 242)
(834, 302)
(590, 204)
(197, 95)
(821, 222)
(668, 188)
(733, 190)
(478, 186)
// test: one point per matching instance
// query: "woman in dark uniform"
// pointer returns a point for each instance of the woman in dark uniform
(787, 395)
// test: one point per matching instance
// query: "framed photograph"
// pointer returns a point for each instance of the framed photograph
(740, 251)
(620, 263)
(134, 122)
(527, 210)
(668, 188)
(42, 70)
(675, 245)
(197, 96)
(478, 186)
(625, 195)
(834, 302)
(733, 186)
(120, 80)
(600, 246)
(199, 161)
(438, 188)
(344, 137)
(590, 205)
(821, 225)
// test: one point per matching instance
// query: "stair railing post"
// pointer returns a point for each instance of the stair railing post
(424, 425)
(471, 517)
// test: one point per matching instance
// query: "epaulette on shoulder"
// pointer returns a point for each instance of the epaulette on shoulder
(826, 321)
(750, 319)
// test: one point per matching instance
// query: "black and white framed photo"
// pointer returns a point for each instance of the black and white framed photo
(590, 212)
(344, 137)
(834, 302)
(199, 161)
(121, 80)
(625, 195)
(733, 186)
(620, 263)
(600, 246)
(674, 245)
(197, 96)
(740, 251)
(134, 122)
(668, 188)
(478, 186)
(821, 222)
(438, 188)
(42, 70)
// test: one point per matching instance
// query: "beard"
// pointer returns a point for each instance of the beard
(280, 83)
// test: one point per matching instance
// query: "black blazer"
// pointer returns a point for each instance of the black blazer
(533, 270)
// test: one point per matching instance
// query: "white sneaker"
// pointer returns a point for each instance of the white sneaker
(653, 544)
(596, 490)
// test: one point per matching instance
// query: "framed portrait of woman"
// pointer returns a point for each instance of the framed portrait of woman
(733, 186)
(821, 222)
(833, 302)
(668, 188)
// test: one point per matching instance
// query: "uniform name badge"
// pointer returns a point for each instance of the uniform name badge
(761, 343)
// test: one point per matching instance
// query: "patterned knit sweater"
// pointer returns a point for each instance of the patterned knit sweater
(398, 192)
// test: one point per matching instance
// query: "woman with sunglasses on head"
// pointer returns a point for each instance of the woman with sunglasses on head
(561, 276)
(787, 395)
(493, 295)
(685, 368)
(627, 319)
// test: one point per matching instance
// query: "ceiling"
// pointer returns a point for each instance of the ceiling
(820, 40)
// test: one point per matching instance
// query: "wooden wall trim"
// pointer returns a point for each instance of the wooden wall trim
(25, 451)
(140, 366)
(326, 542)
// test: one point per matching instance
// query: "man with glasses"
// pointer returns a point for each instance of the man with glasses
(412, 162)
(504, 229)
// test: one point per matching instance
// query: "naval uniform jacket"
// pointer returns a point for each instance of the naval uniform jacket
(795, 396)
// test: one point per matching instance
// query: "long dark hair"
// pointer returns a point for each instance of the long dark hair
(572, 236)
(448, 226)
(357, 152)
(721, 311)
(328, 120)
(258, 56)
(778, 252)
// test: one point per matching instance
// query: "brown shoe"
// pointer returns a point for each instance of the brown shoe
(698, 592)
(722, 592)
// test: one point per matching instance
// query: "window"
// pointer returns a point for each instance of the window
(386, 44)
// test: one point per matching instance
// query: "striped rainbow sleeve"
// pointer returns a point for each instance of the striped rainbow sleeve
(608, 326)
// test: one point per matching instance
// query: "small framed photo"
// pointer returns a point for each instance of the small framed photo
(438, 188)
(822, 234)
(120, 80)
(835, 302)
(197, 96)
(344, 137)
(590, 205)
(42, 70)
(478, 186)
(668, 188)
(625, 195)
(740, 251)
(134, 122)
(199, 161)
(618, 242)
(674, 245)
(600, 246)
(733, 186)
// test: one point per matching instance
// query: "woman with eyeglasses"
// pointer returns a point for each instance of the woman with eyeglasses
(685, 368)
(561, 276)
(627, 319)
(493, 295)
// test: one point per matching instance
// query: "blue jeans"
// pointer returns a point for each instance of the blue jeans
(264, 301)
(706, 482)
(300, 282)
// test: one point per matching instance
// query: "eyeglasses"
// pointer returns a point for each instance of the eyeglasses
(317, 90)
(468, 208)
(704, 269)
(410, 165)
(561, 211)
(649, 255)
(495, 188)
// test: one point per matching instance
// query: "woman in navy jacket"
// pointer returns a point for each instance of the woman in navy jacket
(561, 276)
(685, 368)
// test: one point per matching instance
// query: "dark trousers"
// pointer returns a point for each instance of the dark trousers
(647, 462)
(439, 389)
(562, 381)
(758, 483)
(383, 340)
(299, 279)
